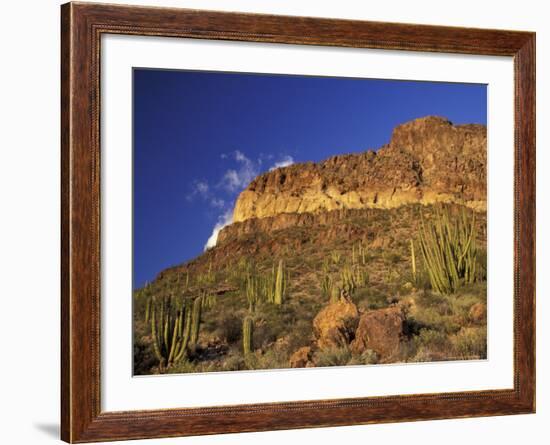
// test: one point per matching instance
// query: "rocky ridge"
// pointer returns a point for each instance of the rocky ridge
(428, 160)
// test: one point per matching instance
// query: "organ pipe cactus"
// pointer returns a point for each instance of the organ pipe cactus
(353, 277)
(252, 291)
(449, 250)
(348, 280)
(173, 324)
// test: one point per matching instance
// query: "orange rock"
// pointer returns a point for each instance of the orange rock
(301, 357)
(478, 313)
(335, 325)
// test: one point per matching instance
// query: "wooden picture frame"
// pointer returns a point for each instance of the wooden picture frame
(82, 25)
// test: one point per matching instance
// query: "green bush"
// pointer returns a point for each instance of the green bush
(332, 357)
(471, 343)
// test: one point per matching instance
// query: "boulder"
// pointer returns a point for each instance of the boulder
(301, 357)
(478, 313)
(335, 325)
(381, 331)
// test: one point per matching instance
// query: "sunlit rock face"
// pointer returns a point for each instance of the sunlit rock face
(428, 160)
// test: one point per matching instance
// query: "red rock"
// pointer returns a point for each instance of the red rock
(381, 331)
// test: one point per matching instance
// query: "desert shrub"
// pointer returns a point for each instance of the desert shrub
(300, 335)
(429, 345)
(471, 343)
(273, 359)
(431, 317)
(371, 298)
(183, 367)
(144, 358)
(234, 362)
(392, 257)
(432, 339)
(481, 270)
(229, 327)
(332, 357)
(368, 357)
(264, 335)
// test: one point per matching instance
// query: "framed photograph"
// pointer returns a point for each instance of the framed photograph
(275, 222)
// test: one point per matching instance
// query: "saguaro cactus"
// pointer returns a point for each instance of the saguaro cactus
(247, 335)
(413, 262)
(148, 310)
(196, 319)
(280, 284)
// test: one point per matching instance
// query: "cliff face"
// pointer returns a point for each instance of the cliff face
(428, 160)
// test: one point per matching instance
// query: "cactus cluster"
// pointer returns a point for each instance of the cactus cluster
(335, 256)
(270, 287)
(359, 254)
(174, 327)
(449, 250)
(352, 278)
(349, 277)
(208, 278)
(252, 291)
(208, 300)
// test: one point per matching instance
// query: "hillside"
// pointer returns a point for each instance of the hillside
(344, 238)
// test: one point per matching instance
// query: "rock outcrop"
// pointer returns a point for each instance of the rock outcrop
(301, 357)
(380, 331)
(335, 325)
(428, 160)
(478, 313)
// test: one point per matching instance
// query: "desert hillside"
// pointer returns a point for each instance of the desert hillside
(371, 257)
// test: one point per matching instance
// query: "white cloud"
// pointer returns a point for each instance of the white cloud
(217, 202)
(238, 179)
(239, 156)
(200, 188)
(223, 220)
(233, 180)
(285, 162)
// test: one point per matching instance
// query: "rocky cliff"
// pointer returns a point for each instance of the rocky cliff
(428, 160)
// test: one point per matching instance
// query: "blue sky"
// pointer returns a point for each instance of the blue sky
(200, 137)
